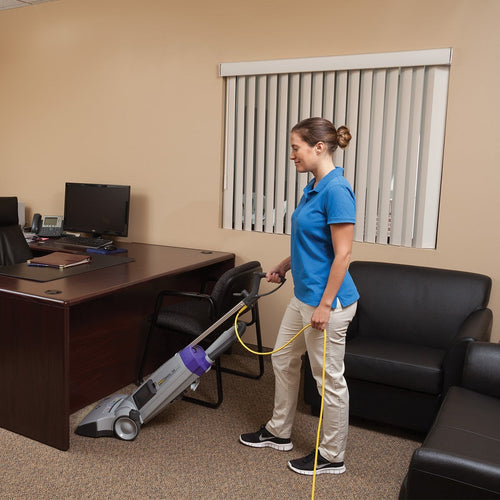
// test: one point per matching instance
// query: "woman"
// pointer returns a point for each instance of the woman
(324, 295)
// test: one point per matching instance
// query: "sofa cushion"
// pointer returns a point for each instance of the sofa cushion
(397, 364)
(461, 453)
(467, 424)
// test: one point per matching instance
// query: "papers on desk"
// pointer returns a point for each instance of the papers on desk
(29, 237)
(60, 260)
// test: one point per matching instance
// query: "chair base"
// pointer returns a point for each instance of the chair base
(201, 402)
(253, 376)
(220, 369)
(220, 394)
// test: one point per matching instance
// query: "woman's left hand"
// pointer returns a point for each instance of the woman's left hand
(320, 317)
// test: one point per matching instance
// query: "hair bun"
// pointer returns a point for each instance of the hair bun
(317, 129)
(343, 136)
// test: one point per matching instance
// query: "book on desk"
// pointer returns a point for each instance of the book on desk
(60, 260)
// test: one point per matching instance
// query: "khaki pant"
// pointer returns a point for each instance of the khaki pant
(287, 364)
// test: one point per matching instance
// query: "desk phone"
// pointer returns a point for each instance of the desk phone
(50, 226)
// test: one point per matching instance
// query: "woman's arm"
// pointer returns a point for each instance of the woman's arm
(342, 236)
(278, 272)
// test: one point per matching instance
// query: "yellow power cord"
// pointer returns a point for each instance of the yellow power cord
(242, 310)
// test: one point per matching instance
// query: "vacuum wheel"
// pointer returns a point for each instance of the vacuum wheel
(126, 428)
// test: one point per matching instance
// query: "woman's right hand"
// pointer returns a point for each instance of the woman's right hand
(277, 273)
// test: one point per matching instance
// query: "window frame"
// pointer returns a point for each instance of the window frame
(395, 181)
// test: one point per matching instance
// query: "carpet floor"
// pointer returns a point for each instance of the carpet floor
(192, 452)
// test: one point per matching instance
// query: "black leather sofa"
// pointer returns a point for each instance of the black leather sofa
(407, 342)
(460, 457)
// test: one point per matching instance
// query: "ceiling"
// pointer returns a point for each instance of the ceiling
(12, 4)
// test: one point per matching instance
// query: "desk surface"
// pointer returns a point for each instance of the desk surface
(151, 262)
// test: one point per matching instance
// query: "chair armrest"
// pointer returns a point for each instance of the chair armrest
(482, 368)
(176, 293)
(476, 327)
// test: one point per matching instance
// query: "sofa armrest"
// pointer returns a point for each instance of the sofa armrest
(482, 368)
(476, 327)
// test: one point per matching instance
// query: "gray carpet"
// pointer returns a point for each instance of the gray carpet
(192, 452)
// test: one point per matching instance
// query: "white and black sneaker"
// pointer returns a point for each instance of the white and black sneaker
(305, 465)
(264, 439)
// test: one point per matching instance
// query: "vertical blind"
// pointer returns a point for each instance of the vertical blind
(395, 107)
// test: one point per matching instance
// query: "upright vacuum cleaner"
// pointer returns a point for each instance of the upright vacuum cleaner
(122, 415)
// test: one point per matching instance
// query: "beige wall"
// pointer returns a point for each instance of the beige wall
(128, 92)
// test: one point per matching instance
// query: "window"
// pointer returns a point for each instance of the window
(395, 107)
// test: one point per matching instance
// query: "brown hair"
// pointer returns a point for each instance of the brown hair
(314, 130)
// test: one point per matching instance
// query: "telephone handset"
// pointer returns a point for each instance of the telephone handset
(50, 226)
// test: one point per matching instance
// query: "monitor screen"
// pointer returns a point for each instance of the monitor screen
(100, 209)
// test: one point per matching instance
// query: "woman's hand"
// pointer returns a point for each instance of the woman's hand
(320, 317)
(277, 273)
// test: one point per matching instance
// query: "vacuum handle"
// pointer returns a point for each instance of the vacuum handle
(257, 277)
(251, 298)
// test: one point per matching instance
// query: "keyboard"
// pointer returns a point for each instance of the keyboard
(83, 241)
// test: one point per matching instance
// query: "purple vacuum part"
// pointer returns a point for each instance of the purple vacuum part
(194, 359)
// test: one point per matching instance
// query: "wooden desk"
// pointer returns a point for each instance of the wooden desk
(60, 352)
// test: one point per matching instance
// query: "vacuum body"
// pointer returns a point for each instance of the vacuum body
(122, 415)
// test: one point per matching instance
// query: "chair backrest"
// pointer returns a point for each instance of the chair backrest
(235, 280)
(415, 304)
(8, 211)
(13, 246)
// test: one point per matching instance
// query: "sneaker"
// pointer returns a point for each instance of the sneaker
(305, 465)
(264, 439)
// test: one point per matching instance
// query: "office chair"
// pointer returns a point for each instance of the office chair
(198, 311)
(13, 246)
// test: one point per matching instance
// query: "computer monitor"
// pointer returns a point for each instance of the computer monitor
(99, 209)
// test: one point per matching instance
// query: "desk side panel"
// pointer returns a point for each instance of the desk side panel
(33, 370)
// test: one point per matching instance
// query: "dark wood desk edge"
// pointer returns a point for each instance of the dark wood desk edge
(216, 257)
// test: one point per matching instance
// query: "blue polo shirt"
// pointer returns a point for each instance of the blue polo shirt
(330, 202)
